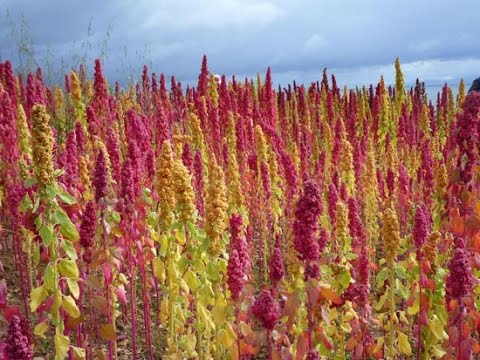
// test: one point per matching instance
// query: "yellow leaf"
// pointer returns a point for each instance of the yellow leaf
(61, 346)
(68, 268)
(218, 314)
(37, 296)
(205, 317)
(381, 301)
(158, 269)
(41, 328)
(191, 280)
(380, 342)
(183, 285)
(438, 352)
(69, 305)
(57, 300)
(180, 237)
(437, 329)
(415, 308)
(226, 336)
(403, 344)
(78, 353)
(73, 287)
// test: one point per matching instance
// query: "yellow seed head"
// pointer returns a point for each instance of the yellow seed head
(184, 195)
(23, 132)
(42, 146)
(342, 229)
(164, 182)
(430, 247)
(84, 173)
(215, 208)
(391, 235)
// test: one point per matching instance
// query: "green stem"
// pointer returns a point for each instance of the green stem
(391, 345)
(199, 329)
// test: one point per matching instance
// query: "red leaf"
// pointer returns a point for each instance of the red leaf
(10, 311)
(302, 346)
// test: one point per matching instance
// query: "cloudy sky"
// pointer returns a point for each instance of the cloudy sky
(436, 41)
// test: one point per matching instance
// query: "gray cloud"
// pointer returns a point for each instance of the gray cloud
(246, 36)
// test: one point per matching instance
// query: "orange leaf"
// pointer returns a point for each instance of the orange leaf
(330, 295)
(458, 225)
(247, 349)
(476, 242)
(107, 332)
(302, 346)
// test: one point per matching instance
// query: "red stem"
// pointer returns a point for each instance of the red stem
(419, 335)
(133, 312)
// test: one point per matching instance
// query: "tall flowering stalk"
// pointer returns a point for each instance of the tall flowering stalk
(305, 231)
(61, 273)
(391, 242)
(459, 285)
(420, 234)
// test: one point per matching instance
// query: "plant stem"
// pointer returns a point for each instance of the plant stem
(391, 347)
(133, 302)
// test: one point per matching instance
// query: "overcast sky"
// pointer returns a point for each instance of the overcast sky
(436, 41)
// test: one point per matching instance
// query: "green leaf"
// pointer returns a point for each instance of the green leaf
(191, 280)
(69, 249)
(26, 204)
(116, 216)
(66, 198)
(49, 277)
(59, 172)
(381, 277)
(47, 234)
(36, 204)
(69, 305)
(38, 222)
(183, 264)
(73, 287)
(344, 278)
(402, 290)
(67, 228)
(68, 268)
(30, 182)
(51, 191)
(62, 343)
(37, 297)
(378, 306)
(163, 244)
(188, 342)
(213, 271)
(401, 272)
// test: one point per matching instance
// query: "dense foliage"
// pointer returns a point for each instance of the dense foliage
(234, 220)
